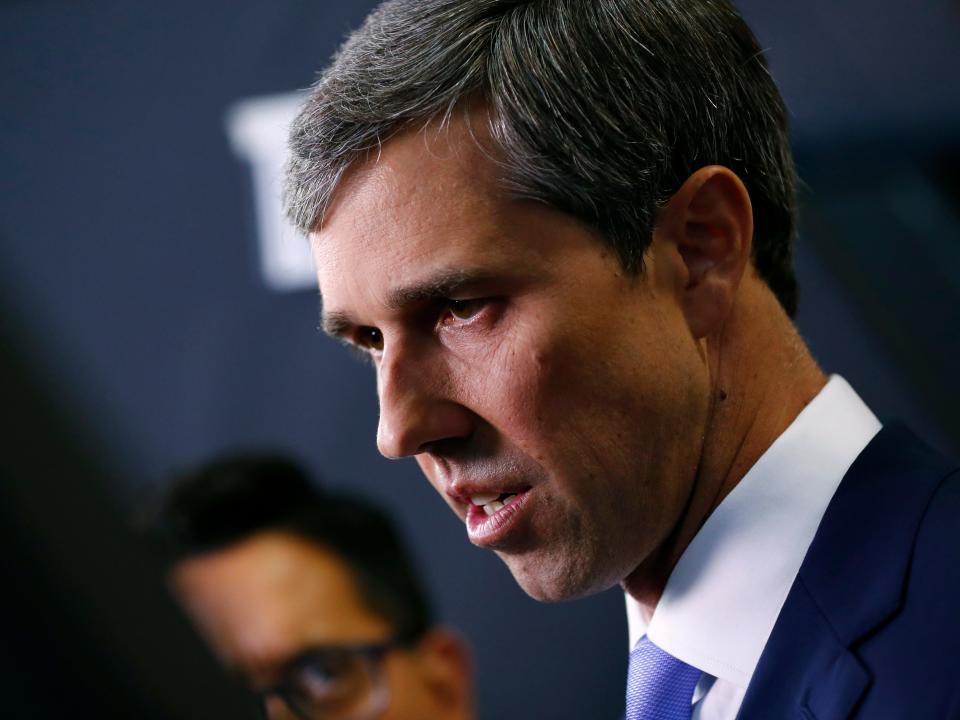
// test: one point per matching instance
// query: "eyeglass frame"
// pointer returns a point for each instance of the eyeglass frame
(372, 652)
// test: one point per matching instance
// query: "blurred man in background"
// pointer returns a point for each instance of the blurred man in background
(309, 596)
(562, 232)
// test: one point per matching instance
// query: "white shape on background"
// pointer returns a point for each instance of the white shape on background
(257, 128)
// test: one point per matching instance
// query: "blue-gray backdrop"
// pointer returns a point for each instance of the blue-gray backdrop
(128, 252)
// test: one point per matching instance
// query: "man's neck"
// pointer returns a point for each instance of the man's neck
(762, 376)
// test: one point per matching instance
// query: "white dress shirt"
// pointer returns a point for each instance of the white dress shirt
(726, 591)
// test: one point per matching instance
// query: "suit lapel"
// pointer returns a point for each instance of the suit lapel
(851, 582)
(805, 671)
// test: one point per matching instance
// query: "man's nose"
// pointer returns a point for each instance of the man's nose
(416, 405)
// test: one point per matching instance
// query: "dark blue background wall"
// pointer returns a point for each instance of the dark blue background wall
(127, 251)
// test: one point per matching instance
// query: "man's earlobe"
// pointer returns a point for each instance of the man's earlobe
(711, 224)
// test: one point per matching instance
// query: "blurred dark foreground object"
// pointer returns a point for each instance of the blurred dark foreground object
(87, 629)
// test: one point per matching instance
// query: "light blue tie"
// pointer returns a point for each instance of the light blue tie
(659, 687)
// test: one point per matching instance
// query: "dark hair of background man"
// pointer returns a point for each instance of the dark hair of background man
(233, 498)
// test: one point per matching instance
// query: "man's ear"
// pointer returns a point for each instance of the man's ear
(448, 670)
(710, 223)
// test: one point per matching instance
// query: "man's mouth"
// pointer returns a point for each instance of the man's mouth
(491, 517)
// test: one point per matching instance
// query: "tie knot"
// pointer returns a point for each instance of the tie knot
(659, 686)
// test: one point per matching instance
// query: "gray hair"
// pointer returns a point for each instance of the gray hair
(600, 108)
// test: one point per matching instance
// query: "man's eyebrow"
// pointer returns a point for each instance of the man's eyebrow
(442, 285)
(335, 324)
(436, 287)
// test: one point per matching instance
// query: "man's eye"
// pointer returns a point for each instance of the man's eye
(323, 673)
(465, 309)
(327, 681)
(370, 338)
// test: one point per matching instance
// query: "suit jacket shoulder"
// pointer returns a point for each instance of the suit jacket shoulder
(871, 627)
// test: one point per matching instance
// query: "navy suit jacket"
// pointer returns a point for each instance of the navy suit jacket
(871, 627)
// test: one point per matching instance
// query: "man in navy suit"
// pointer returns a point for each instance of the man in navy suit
(561, 231)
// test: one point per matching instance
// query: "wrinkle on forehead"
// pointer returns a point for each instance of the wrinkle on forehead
(426, 183)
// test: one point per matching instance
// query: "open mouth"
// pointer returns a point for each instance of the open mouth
(492, 516)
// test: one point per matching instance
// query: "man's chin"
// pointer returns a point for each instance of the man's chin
(547, 582)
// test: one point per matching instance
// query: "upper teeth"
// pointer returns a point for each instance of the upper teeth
(491, 502)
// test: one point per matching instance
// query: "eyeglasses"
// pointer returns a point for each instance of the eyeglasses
(335, 682)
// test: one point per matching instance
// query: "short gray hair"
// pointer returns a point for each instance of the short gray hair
(600, 108)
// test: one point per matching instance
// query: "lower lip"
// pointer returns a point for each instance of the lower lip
(489, 530)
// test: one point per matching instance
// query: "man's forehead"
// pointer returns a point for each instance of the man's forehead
(426, 206)
(431, 160)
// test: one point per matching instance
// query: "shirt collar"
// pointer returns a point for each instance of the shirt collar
(726, 591)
